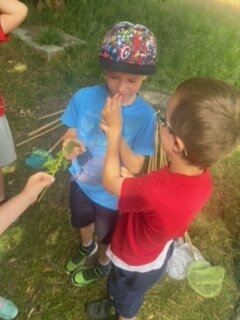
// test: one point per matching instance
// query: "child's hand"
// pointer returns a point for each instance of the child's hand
(73, 148)
(36, 183)
(111, 121)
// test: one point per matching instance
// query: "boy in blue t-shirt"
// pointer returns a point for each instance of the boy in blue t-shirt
(128, 55)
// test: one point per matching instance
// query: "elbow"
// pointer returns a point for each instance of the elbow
(137, 168)
(136, 171)
(109, 184)
(113, 185)
(106, 184)
(22, 11)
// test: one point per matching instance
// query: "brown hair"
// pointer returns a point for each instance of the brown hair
(207, 119)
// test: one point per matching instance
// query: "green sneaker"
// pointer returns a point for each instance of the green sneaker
(8, 310)
(101, 310)
(79, 258)
(88, 275)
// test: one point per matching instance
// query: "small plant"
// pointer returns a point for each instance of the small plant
(54, 165)
(50, 36)
(60, 162)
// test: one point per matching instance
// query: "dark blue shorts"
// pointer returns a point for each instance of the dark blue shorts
(127, 289)
(85, 212)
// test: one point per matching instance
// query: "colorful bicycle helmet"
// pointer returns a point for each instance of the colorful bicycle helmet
(129, 48)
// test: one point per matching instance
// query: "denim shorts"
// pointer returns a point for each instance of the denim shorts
(7, 149)
(127, 288)
(85, 212)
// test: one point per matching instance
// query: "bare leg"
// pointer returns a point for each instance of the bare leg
(103, 259)
(122, 318)
(2, 190)
(86, 234)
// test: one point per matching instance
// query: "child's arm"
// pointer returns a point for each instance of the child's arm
(71, 135)
(112, 127)
(13, 208)
(132, 161)
(12, 14)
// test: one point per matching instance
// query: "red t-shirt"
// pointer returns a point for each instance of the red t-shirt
(155, 209)
(2, 108)
(3, 37)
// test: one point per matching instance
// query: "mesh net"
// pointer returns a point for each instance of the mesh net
(205, 279)
(37, 159)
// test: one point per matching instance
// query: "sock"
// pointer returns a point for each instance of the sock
(105, 268)
(90, 247)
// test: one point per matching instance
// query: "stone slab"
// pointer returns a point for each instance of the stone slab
(28, 35)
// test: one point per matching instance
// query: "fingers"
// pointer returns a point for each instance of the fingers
(114, 102)
(74, 153)
(42, 177)
(117, 100)
(36, 183)
(104, 127)
(113, 105)
(73, 148)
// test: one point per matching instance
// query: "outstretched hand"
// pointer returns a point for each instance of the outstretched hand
(36, 183)
(111, 121)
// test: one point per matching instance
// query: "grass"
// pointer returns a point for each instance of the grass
(195, 38)
(50, 36)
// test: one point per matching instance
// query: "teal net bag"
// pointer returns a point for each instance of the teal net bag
(37, 159)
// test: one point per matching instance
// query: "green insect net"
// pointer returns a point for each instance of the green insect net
(205, 279)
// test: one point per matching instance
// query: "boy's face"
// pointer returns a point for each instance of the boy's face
(127, 85)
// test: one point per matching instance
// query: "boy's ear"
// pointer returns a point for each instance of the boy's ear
(178, 146)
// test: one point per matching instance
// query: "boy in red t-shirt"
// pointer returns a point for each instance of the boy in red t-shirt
(12, 13)
(201, 125)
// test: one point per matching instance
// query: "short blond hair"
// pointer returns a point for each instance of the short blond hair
(207, 119)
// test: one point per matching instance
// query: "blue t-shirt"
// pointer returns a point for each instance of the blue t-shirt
(83, 113)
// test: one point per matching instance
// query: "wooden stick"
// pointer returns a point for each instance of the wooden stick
(55, 145)
(165, 158)
(188, 240)
(42, 194)
(43, 127)
(156, 148)
(161, 163)
(38, 135)
(162, 158)
(51, 114)
(150, 165)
